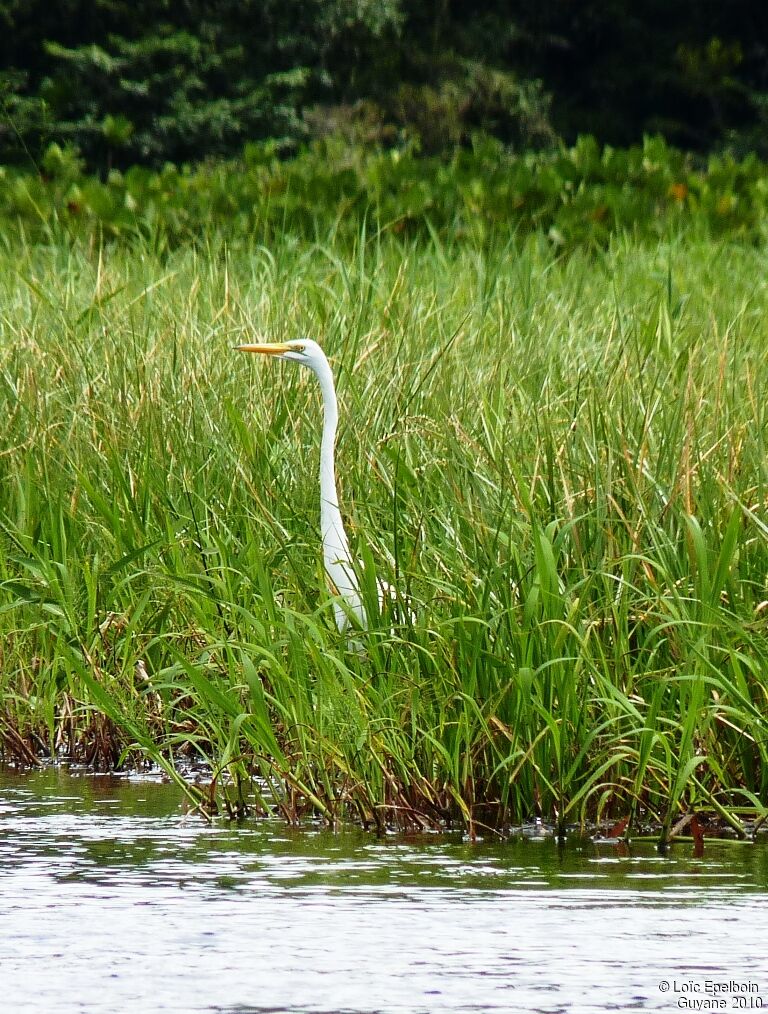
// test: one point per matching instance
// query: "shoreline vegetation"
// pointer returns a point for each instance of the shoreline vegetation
(551, 371)
(576, 196)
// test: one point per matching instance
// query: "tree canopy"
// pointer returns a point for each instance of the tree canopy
(182, 80)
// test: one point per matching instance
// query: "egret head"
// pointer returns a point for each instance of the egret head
(298, 350)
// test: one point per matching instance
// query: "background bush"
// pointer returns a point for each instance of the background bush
(577, 196)
(151, 82)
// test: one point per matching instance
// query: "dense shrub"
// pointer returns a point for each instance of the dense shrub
(577, 195)
(146, 82)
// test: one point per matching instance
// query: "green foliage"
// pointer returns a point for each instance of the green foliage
(558, 462)
(692, 72)
(160, 85)
(579, 195)
(151, 82)
(176, 82)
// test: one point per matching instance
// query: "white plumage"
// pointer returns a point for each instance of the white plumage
(336, 556)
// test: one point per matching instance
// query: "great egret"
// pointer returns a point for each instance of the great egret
(336, 556)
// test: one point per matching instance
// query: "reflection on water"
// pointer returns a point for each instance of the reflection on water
(111, 901)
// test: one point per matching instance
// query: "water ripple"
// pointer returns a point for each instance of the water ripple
(111, 901)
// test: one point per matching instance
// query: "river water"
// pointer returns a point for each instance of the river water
(112, 901)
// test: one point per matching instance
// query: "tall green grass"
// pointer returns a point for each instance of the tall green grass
(560, 464)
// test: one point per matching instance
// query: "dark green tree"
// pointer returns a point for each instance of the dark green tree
(156, 80)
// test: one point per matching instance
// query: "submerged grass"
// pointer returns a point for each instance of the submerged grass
(560, 464)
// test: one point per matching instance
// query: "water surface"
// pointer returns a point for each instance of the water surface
(111, 900)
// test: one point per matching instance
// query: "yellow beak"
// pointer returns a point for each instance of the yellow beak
(265, 348)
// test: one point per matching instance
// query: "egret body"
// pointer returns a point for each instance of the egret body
(336, 555)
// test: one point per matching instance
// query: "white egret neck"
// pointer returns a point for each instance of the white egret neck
(336, 555)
